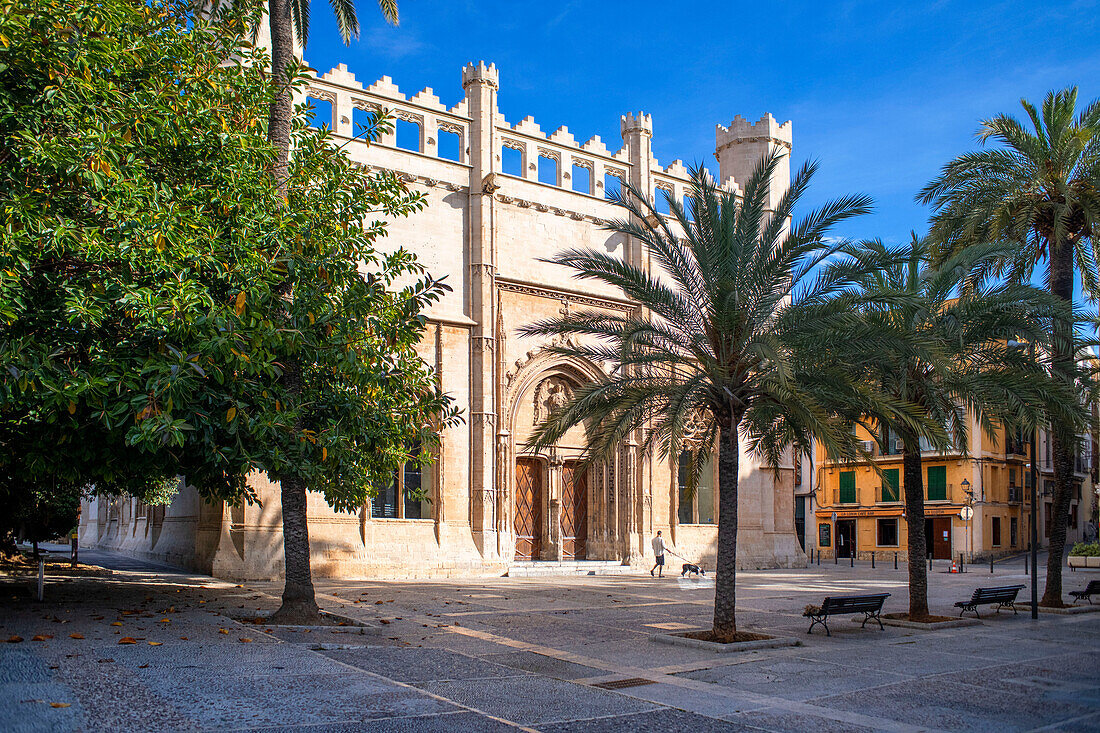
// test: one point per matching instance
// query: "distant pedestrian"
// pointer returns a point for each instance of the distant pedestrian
(658, 554)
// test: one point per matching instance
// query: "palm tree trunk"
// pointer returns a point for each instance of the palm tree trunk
(725, 580)
(299, 600)
(281, 111)
(913, 482)
(1064, 441)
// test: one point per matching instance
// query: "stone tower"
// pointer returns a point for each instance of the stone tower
(740, 147)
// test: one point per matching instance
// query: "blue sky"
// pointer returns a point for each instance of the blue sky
(882, 94)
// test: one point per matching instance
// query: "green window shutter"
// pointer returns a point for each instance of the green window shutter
(891, 485)
(937, 483)
(847, 487)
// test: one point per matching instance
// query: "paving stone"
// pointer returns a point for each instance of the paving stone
(946, 705)
(465, 721)
(656, 721)
(544, 665)
(786, 721)
(420, 665)
(532, 700)
(793, 679)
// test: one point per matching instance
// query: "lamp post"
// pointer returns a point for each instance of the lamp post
(1033, 464)
(969, 513)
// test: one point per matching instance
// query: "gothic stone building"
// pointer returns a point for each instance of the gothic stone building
(500, 198)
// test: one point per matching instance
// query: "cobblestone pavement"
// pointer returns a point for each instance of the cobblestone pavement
(500, 654)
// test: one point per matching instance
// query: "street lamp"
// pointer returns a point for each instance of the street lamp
(968, 514)
(1033, 464)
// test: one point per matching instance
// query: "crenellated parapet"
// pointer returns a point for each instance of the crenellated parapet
(480, 73)
(581, 168)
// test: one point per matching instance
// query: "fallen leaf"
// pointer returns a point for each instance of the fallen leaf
(384, 620)
(155, 643)
(379, 603)
(76, 636)
(165, 621)
(60, 704)
(116, 623)
(244, 640)
(41, 637)
(223, 631)
(143, 666)
(127, 640)
(183, 638)
(102, 661)
(14, 639)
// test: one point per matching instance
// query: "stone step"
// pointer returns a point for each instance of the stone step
(538, 568)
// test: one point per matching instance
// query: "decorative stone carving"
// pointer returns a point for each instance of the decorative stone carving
(696, 429)
(552, 394)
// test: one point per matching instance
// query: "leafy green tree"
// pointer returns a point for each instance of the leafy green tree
(726, 313)
(128, 213)
(955, 360)
(166, 305)
(1038, 190)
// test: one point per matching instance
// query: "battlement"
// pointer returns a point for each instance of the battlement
(766, 128)
(640, 122)
(479, 72)
(576, 168)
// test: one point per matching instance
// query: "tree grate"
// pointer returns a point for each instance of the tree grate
(628, 682)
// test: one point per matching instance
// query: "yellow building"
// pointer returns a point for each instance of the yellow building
(975, 506)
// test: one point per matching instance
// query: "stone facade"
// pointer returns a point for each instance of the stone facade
(486, 228)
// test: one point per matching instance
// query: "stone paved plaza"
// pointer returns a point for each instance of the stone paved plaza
(501, 653)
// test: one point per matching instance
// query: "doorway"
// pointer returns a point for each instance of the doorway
(846, 538)
(574, 512)
(528, 514)
(937, 532)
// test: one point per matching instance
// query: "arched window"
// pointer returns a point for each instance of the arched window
(413, 483)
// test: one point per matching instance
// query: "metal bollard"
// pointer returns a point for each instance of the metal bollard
(41, 576)
(929, 561)
(895, 561)
(853, 559)
(991, 565)
(836, 557)
(1025, 565)
(811, 556)
(962, 567)
(872, 561)
(819, 557)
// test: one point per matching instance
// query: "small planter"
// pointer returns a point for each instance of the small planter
(902, 620)
(714, 647)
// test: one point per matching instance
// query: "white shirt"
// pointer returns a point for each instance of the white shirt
(658, 546)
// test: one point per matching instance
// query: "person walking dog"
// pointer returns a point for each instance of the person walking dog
(658, 554)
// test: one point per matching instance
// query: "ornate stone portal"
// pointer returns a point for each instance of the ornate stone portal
(490, 225)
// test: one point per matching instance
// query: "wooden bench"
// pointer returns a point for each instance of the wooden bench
(1003, 596)
(870, 606)
(1092, 588)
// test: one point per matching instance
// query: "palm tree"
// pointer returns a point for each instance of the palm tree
(289, 20)
(956, 361)
(1040, 191)
(717, 337)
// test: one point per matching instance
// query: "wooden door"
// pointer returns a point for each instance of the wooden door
(528, 514)
(574, 512)
(846, 538)
(939, 537)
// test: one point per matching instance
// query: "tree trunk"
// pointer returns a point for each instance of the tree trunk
(299, 599)
(913, 483)
(281, 110)
(725, 576)
(1064, 439)
(299, 602)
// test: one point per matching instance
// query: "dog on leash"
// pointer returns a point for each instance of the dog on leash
(693, 569)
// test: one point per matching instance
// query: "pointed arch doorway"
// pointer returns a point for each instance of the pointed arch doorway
(574, 512)
(528, 509)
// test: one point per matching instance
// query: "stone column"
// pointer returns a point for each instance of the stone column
(552, 550)
(481, 83)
